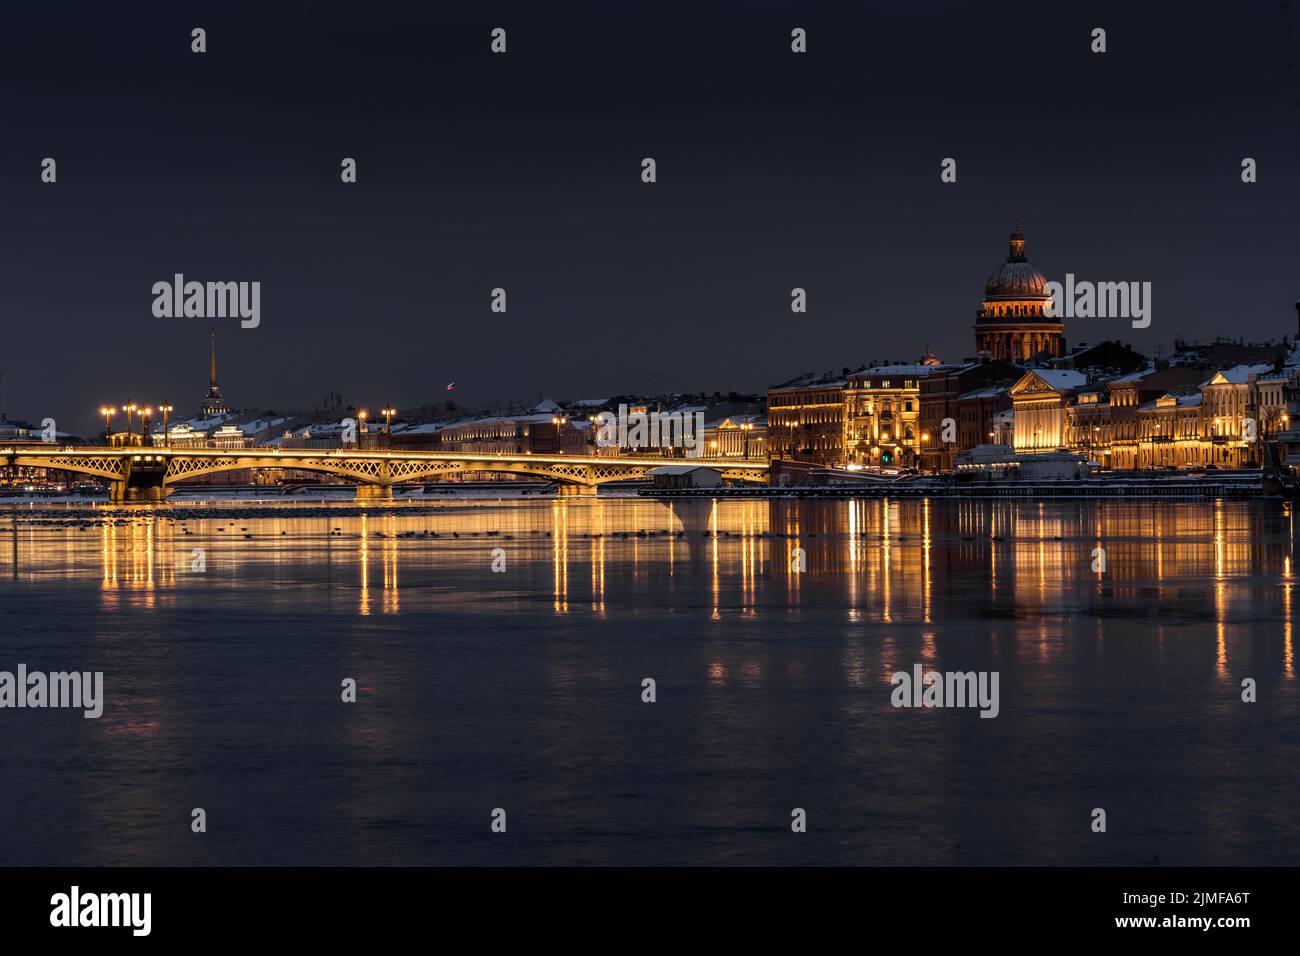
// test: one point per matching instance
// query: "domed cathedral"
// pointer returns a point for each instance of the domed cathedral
(1013, 323)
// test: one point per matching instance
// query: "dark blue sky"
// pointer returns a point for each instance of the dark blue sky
(523, 171)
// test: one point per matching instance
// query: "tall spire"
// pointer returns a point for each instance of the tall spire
(213, 405)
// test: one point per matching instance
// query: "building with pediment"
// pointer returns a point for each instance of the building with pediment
(1039, 401)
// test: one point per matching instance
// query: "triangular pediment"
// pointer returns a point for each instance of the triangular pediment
(1031, 384)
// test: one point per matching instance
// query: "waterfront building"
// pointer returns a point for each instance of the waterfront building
(1038, 401)
(685, 476)
(537, 434)
(1169, 433)
(1225, 406)
(805, 420)
(229, 436)
(1128, 393)
(736, 436)
(1088, 423)
(970, 394)
(1270, 402)
(882, 415)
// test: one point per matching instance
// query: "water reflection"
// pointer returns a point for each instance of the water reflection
(882, 561)
(772, 626)
(878, 561)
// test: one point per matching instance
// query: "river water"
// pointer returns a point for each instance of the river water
(225, 632)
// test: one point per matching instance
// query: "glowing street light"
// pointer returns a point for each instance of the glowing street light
(146, 414)
(107, 411)
(166, 410)
(129, 408)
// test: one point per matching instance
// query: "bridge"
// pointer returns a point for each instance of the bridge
(145, 473)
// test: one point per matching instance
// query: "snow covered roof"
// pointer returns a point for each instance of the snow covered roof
(1238, 374)
(912, 369)
(1060, 379)
(990, 392)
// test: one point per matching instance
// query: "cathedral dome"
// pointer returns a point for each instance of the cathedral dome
(1017, 278)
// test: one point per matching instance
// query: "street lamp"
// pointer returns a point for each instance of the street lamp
(130, 435)
(746, 427)
(388, 419)
(557, 421)
(166, 410)
(146, 414)
(361, 417)
(107, 412)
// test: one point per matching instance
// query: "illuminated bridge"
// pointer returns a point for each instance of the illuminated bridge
(142, 473)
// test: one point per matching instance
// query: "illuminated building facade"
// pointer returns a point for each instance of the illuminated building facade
(736, 436)
(1039, 400)
(1124, 397)
(882, 415)
(1226, 405)
(1169, 433)
(805, 421)
(543, 434)
(1013, 322)
(970, 395)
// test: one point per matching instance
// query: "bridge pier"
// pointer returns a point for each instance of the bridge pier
(577, 491)
(120, 493)
(374, 492)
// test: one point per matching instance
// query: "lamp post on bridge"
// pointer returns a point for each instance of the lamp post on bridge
(389, 414)
(146, 415)
(130, 435)
(107, 412)
(166, 410)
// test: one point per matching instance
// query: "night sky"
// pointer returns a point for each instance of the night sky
(522, 171)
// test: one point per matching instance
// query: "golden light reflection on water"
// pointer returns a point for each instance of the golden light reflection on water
(875, 561)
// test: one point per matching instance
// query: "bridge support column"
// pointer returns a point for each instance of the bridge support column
(577, 491)
(117, 492)
(374, 492)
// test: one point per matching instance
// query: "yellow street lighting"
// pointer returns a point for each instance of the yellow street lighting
(166, 409)
(129, 408)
